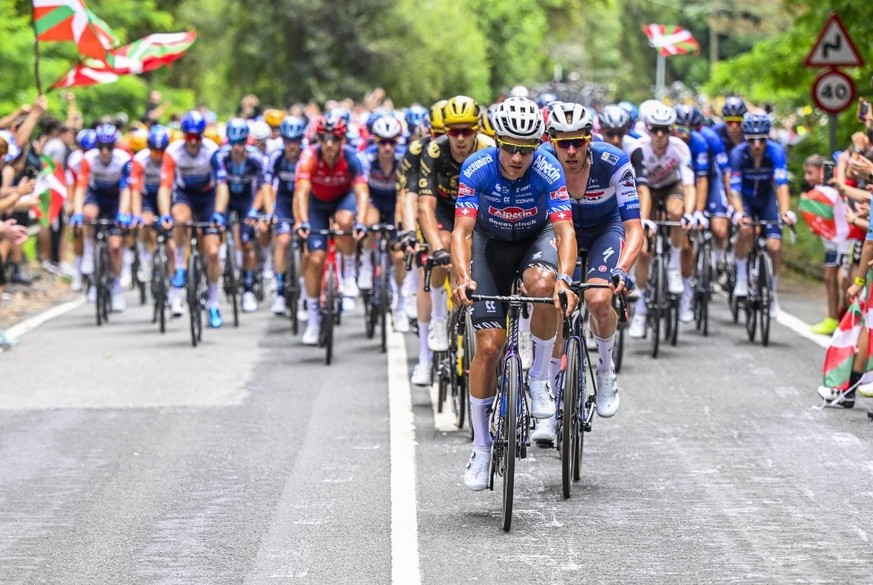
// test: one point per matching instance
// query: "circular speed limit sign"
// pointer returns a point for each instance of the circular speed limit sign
(833, 91)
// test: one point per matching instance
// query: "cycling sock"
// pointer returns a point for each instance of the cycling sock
(775, 284)
(542, 355)
(424, 354)
(312, 309)
(399, 298)
(524, 322)
(366, 262)
(742, 270)
(410, 281)
(89, 248)
(554, 368)
(77, 262)
(348, 266)
(479, 413)
(604, 348)
(280, 282)
(248, 281)
(689, 290)
(116, 287)
(439, 309)
(673, 263)
(180, 258)
(212, 301)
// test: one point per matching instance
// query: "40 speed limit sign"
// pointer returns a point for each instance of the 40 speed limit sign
(833, 91)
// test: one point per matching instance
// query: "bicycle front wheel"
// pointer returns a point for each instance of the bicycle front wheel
(569, 414)
(327, 319)
(512, 414)
(765, 293)
(292, 288)
(160, 277)
(384, 296)
(656, 297)
(194, 308)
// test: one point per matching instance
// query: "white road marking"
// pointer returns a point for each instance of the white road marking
(802, 328)
(445, 420)
(32, 323)
(405, 567)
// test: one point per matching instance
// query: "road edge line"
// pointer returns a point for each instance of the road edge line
(405, 568)
(32, 323)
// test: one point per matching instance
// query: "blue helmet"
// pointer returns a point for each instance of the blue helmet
(343, 113)
(631, 110)
(545, 99)
(193, 122)
(106, 134)
(415, 115)
(756, 124)
(293, 128)
(688, 116)
(87, 139)
(372, 119)
(734, 107)
(159, 138)
(237, 131)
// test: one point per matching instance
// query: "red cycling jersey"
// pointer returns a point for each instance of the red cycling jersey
(330, 183)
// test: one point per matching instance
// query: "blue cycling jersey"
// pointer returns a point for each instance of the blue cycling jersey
(242, 179)
(757, 182)
(718, 158)
(280, 174)
(700, 162)
(512, 210)
(611, 194)
(383, 186)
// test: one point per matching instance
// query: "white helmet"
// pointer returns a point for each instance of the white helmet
(660, 115)
(569, 117)
(260, 130)
(519, 91)
(614, 118)
(646, 107)
(520, 118)
(387, 127)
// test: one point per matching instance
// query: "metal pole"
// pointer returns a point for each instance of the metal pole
(832, 132)
(659, 76)
(35, 51)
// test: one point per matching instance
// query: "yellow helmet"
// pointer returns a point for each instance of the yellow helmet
(460, 110)
(435, 118)
(176, 134)
(136, 139)
(485, 124)
(274, 117)
(212, 134)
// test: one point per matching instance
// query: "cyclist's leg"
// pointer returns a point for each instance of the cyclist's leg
(282, 242)
(344, 216)
(365, 274)
(717, 208)
(741, 252)
(773, 233)
(319, 218)
(437, 337)
(603, 255)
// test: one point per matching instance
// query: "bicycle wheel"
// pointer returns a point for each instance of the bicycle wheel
(370, 316)
(106, 281)
(569, 414)
(469, 350)
(618, 351)
(752, 311)
(674, 320)
(655, 292)
(194, 309)
(765, 293)
(439, 374)
(328, 315)
(134, 274)
(292, 288)
(97, 281)
(459, 390)
(384, 299)
(160, 277)
(229, 276)
(512, 412)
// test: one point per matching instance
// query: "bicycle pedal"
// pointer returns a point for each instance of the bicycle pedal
(545, 444)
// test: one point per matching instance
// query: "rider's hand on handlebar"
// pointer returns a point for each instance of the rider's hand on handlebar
(789, 217)
(563, 289)
(77, 219)
(687, 221)
(701, 222)
(459, 295)
(621, 281)
(359, 230)
(167, 221)
(218, 220)
(649, 227)
(303, 229)
(441, 257)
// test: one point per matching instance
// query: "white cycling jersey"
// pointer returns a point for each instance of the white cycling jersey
(662, 171)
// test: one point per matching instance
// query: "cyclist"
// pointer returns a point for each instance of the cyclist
(188, 177)
(381, 162)
(274, 118)
(614, 124)
(686, 131)
(634, 115)
(663, 170)
(606, 217)
(329, 182)
(512, 217)
(240, 188)
(280, 176)
(145, 181)
(757, 166)
(86, 139)
(408, 183)
(438, 190)
(730, 130)
(102, 192)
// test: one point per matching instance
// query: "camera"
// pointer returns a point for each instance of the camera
(827, 171)
(863, 109)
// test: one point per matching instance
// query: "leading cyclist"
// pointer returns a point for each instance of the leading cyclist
(512, 217)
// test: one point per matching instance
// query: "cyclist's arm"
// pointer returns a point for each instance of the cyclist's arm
(565, 242)
(427, 219)
(736, 180)
(633, 243)
(82, 186)
(222, 197)
(124, 185)
(362, 198)
(168, 172)
(302, 188)
(780, 179)
(702, 184)
(136, 178)
(686, 176)
(462, 246)
(783, 197)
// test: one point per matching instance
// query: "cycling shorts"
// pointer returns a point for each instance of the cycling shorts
(246, 231)
(716, 202)
(664, 195)
(202, 206)
(603, 246)
(320, 213)
(106, 204)
(386, 210)
(765, 210)
(495, 265)
(285, 212)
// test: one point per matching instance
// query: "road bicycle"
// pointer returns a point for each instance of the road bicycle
(703, 276)
(104, 276)
(660, 302)
(196, 288)
(330, 304)
(160, 284)
(377, 301)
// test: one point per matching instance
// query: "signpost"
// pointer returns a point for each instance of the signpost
(833, 90)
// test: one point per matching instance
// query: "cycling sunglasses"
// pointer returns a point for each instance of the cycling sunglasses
(683, 129)
(756, 139)
(292, 140)
(577, 143)
(613, 134)
(329, 138)
(465, 132)
(191, 137)
(386, 142)
(512, 147)
(660, 129)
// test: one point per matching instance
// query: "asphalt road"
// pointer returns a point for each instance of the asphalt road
(131, 457)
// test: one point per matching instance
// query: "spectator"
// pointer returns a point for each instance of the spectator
(155, 108)
(249, 107)
(9, 230)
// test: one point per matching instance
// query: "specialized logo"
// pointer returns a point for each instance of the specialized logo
(608, 253)
(561, 194)
(546, 170)
(512, 214)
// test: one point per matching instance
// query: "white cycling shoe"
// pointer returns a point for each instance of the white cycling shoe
(311, 334)
(674, 281)
(545, 433)
(421, 374)
(278, 307)
(476, 474)
(542, 403)
(637, 327)
(249, 302)
(438, 337)
(607, 398)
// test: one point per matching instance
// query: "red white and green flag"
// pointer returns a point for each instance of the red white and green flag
(71, 20)
(825, 213)
(52, 189)
(671, 39)
(844, 344)
(146, 54)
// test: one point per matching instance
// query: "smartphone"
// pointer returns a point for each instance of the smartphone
(828, 171)
(863, 108)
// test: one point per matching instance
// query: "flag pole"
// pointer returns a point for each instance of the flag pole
(659, 76)
(35, 50)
